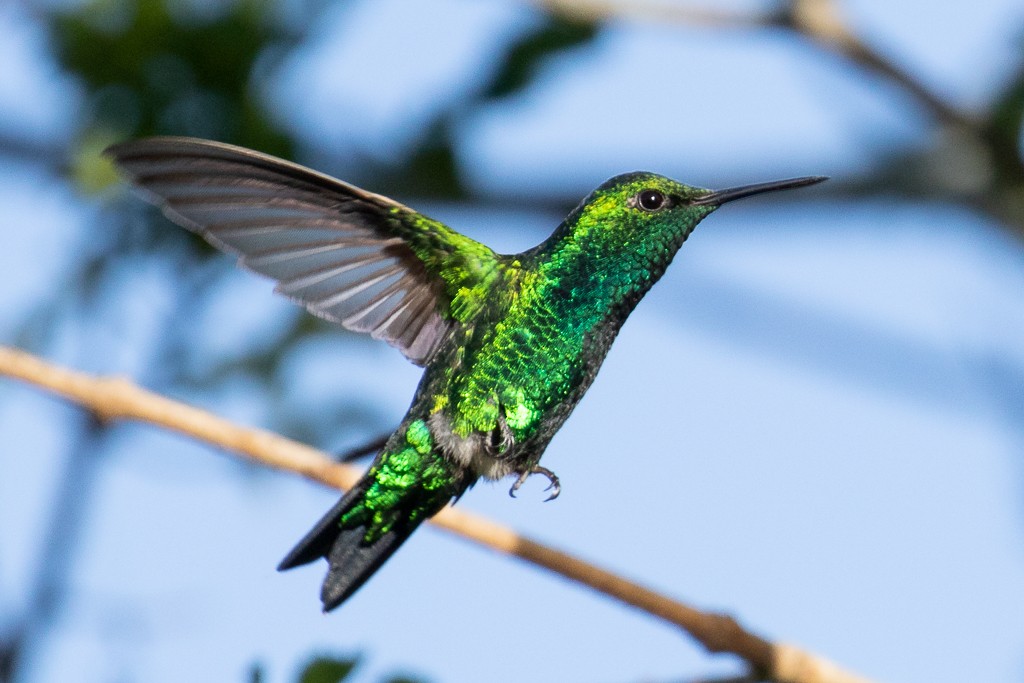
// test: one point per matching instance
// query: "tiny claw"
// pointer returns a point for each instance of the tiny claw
(553, 484)
(519, 482)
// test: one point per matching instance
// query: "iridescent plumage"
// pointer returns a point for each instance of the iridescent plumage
(510, 343)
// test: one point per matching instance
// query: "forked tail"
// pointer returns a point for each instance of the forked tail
(374, 518)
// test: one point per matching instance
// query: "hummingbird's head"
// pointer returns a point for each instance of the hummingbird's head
(646, 207)
(624, 234)
(651, 214)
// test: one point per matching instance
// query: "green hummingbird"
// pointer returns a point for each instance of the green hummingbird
(509, 343)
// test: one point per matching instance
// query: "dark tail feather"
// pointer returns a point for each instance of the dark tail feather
(352, 559)
(317, 543)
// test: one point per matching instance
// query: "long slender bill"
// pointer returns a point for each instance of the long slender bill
(718, 197)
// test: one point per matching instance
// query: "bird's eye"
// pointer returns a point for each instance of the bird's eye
(650, 200)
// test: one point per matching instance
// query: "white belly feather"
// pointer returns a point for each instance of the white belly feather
(472, 452)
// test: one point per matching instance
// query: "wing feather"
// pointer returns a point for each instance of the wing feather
(350, 256)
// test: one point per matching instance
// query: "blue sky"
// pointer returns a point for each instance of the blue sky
(812, 423)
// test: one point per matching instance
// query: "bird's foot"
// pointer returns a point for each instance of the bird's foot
(553, 485)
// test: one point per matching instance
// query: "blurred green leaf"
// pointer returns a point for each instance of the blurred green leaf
(432, 169)
(92, 171)
(1004, 130)
(327, 670)
(151, 71)
(524, 58)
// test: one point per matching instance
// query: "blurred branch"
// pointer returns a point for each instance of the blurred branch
(600, 10)
(821, 22)
(117, 398)
(818, 20)
(743, 678)
(975, 159)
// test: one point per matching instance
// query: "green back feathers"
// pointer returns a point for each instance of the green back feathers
(546, 331)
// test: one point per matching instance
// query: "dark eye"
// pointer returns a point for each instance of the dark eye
(650, 200)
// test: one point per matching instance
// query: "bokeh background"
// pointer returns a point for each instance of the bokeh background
(815, 422)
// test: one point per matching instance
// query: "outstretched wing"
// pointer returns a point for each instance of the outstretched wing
(350, 256)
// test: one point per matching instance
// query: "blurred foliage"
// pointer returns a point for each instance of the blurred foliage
(327, 670)
(524, 57)
(149, 70)
(431, 169)
(1004, 134)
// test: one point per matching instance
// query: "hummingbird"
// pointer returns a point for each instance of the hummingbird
(509, 343)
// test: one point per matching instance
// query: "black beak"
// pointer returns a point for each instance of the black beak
(719, 197)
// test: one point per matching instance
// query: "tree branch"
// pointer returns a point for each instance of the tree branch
(981, 142)
(115, 398)
(819, 21)
(602, 10)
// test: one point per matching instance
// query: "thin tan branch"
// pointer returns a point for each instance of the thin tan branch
(821, 22)
(599, 10)
(818, 21)
(743, 678)
(976, 139)
(115, 398)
